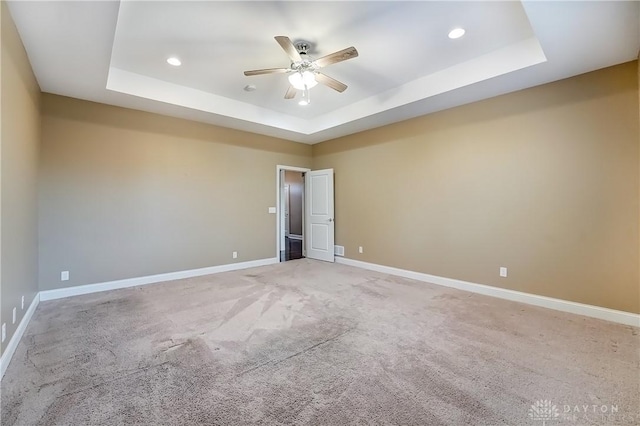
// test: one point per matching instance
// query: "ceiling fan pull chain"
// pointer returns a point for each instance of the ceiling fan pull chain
(306, 96)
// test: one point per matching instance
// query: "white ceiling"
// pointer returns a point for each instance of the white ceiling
(115, 53)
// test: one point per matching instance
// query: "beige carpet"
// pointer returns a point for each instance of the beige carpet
(306, 342)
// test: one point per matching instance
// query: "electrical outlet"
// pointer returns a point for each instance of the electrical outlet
(503, 271)
(13, 316)
(64, 276)
(235, 254)
(22, 303)
(360, 249)
(4, 331)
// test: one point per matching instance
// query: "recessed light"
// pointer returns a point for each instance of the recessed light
(303, 102)
(456, 33)
(174, 61)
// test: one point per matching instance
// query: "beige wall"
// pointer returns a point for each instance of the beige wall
(19, 146)
(543, 181)
(126, 193)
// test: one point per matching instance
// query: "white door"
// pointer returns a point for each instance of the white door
(320, 226)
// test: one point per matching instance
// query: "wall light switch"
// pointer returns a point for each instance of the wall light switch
(235, 254)
(272, 210)
(360, 249)
(22, 303)
(64, 276)
(503, 271)
(4, 331)
(13, 316)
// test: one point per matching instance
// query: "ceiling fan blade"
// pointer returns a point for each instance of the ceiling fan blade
(267, 71)
(342, 55)
(291, 93)
(331, 82)
(289, 48)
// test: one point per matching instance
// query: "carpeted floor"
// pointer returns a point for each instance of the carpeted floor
(305, 342)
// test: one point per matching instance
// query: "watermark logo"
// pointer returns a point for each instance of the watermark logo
(544, 410)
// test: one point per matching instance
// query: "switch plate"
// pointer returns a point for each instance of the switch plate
(503, 271)
(13, 316)
(272, 210)
(22, 303)
(235, 254)
(64, 276)
(4, 331)
(360, 249)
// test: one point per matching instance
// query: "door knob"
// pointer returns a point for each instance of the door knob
(330, 219)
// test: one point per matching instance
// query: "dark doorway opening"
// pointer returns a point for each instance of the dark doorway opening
(293, 197)
(292, 250)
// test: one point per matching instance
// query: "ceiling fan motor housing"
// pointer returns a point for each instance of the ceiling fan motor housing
(303, 47)
(306, 64)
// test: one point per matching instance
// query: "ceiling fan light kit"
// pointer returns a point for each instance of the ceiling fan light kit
(303, 72)
(302, 80)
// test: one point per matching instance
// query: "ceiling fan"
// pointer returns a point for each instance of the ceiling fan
(303, 72)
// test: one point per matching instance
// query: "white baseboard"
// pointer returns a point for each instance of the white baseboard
(113, 285)
(151, 279)
(517, 296)
(17, 336)
(613, 315)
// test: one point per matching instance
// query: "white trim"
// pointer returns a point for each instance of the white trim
(295, 237)
(151, 279)
(17, 336)
(279, 168)
(607, 314)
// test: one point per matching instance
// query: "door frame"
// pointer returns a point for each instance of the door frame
(287, 213)
(279, 212)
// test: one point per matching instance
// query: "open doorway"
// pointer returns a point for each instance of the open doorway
(291, 212)
(317, 237)
(293, 215)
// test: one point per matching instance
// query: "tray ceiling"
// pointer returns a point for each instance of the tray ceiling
(116, 52)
